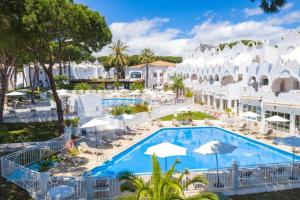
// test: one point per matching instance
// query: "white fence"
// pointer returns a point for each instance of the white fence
(14, 167)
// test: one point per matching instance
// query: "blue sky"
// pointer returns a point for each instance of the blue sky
(172, 27)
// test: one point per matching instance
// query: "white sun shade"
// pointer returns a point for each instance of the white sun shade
(166, 149)
(250, 114)
(94, 123)
(276, 118)
(215, 147)
(125, 117)
(15, 93)
(183, 109)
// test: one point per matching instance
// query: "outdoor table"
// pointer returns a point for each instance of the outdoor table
(61, 192)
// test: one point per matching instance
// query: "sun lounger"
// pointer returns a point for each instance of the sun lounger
(66, 156)
(266, 135)
(85, 148)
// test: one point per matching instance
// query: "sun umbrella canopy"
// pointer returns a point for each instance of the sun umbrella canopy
(183, 109)
(276, 118)
(215, 147)
(136, 92)
(125, 117)
(94, 123)
(165, 149)
(15, 93)
(250, 114)
(169, 92)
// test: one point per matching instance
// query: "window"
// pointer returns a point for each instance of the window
(296, 85)
(161, 74)
(265, 81)
(155, 74)
(240, 77)
(135, 75)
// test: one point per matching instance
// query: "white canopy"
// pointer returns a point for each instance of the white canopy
(166, 149)
(250, 114)
(62, 92)
(276, 118)
(94, 123)
(215, 147)
(169, 92)
(183, 109)
(15, 93)
(135, 92)
(115, 94)
(125, 117)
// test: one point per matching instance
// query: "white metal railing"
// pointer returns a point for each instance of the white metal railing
(15, 168)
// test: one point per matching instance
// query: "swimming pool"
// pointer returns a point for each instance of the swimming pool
(112, 102)
(248, 153)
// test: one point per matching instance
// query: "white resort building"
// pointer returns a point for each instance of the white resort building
(158, 75)
(261, 78)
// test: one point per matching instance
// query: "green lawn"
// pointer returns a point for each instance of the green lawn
(29, 132)
(195, 116)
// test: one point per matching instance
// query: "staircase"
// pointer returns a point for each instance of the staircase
(89, 105)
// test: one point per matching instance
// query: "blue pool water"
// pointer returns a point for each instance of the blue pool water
(248, 153)
(119, 101)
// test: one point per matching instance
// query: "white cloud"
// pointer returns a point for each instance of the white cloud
(150, 33)
(252, 11)
(288, 6)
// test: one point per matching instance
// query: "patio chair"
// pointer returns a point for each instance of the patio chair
(66, 156)
(243, 127)
(266, 135)
(84, 147)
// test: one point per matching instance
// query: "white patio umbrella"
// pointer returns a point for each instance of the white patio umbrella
(15, 93)
(169, 92)
(216, 147)
(62, 92)
(250, 114)
(165, 150)
(276, 118)
(183, 109)
(134, 93)
(115, 94)
(124, 117)
(94, 123)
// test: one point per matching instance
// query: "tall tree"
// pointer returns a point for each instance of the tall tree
(177, 85)
(11, 43)
(53, 25)
(118, 56)
(271, 6)
(161, 186)
(147, 56)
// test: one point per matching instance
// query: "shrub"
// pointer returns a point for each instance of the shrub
(74, 122)
(82, 86)
(100, 86)
(116, 84)
(137, 85)
(61, 81)
(188, 93)
(140, 108)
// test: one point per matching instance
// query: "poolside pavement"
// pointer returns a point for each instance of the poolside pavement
(123, 144)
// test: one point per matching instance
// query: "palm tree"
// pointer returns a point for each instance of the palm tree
(147, 56)
(118, 58)
(161, 186)
(178, 84)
